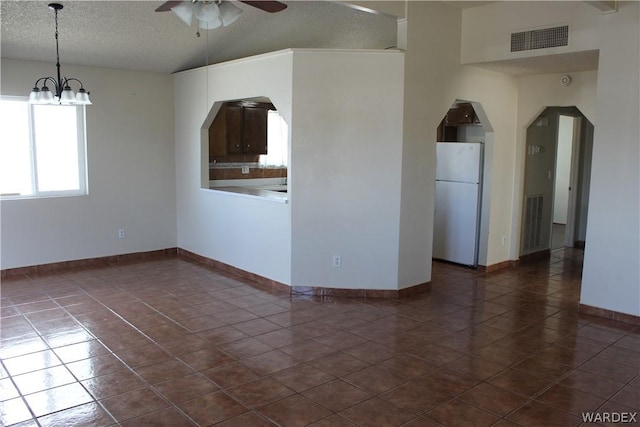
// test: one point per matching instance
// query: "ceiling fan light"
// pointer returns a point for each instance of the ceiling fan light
(229, 12)
(184, 11)
(207, 12)
(211, 25)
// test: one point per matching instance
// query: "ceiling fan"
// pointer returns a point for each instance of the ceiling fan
(214, 13)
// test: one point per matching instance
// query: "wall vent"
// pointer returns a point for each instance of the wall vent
(540, 39)
(532, 223)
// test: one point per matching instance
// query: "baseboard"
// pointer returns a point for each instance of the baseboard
(579, 244)
(106, 261)
(318, 291)
(498, 266)
(609, 314)
(190, 256)
(361, 293)
(269, 283)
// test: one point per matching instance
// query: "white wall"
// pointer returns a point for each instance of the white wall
(486, 37)
(611, 276)
(535, 93)
(345, 167)
(486, 30)
(130, 169)
(434, 79)
(252, 234)
(343, 174)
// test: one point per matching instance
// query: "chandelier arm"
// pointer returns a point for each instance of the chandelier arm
(50, 79)
(66, 81)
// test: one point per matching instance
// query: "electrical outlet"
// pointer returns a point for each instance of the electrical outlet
(121, 233)
(337, 261)
(245, 169)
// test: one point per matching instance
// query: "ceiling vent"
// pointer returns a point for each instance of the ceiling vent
(540, 39)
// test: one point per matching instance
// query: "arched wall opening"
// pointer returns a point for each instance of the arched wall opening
(464, 160)
(556, 184)
(244, 142)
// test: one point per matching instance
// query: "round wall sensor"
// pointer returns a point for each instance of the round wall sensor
(566, 80)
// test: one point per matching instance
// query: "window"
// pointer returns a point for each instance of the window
(42, 149)
(277, 138)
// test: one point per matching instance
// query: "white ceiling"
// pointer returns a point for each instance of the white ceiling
(130, 35)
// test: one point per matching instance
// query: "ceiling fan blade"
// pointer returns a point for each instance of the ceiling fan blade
(267, 6)
(167, 6)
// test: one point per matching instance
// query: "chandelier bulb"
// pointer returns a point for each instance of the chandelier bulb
(34, 96)
(67, 96)
(46, 97)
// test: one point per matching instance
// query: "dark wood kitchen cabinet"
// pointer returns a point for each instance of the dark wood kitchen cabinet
(461, 114)
(238, 129)
(254, 138)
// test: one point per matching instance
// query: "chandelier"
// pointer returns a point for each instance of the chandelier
(62, 94)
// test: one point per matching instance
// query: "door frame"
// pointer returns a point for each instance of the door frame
(570, 229)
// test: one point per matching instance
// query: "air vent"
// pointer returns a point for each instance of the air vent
(532, 223)
(540, 39)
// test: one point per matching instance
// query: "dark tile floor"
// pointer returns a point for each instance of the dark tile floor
(169, 343)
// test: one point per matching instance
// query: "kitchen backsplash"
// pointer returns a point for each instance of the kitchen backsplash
(234, 171)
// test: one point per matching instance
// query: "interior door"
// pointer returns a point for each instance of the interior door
(539, 183)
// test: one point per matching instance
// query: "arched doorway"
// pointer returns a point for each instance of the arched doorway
(556, 184)
(464, 153)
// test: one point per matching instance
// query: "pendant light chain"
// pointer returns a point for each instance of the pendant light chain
(207, 70)
(57, 48)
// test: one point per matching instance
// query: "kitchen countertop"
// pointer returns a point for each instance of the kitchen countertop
(272, 192)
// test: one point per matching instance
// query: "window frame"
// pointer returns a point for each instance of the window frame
(81, 132)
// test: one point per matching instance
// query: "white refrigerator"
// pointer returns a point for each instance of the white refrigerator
(457, 202)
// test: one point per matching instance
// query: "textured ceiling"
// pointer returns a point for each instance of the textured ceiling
(130, 35)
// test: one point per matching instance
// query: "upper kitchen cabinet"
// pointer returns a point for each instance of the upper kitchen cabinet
(457, 122)
(461, 114)
(239, 128)
(254, 135)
